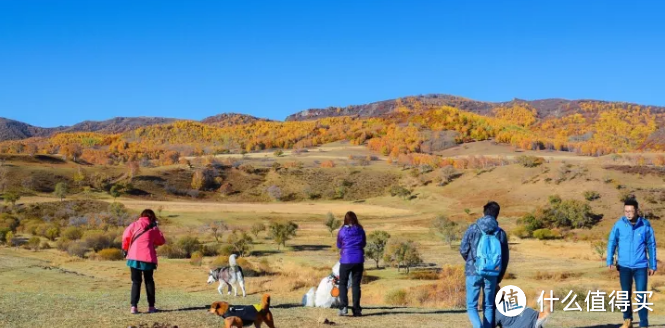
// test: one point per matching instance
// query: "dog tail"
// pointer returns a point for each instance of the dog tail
(265, 302)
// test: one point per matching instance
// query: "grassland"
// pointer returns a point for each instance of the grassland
(82, 292)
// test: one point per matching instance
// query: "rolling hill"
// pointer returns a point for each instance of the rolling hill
(545, 108)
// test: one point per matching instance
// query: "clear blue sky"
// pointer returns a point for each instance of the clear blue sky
(62, 61)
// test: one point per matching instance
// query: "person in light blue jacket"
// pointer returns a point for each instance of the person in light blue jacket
(633, 236)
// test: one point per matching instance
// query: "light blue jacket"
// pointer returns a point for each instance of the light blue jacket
(634, 242)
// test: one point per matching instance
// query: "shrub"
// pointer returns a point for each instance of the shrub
(529, 161)
(189, 245)
(72, 233)
(446, 229)
(77, 248)
(327, 164)
(600, 247)
(98, 240)
(402, 254)
(591, 195)
(542, 234)
(110, 254)
(331, 223)
(3, 233)
(9, 239)
(522, 232)
(52, 233)
(171, 251)
(340, 192)
(220, 261)
(448, 292)
(210, 250)
(257, 228)
(226, 251)
(196, 259)
(62, 244)
(396, 297)
(242, 242)
(45, 245)
(281, 233)
(33, 243)
(399, 191)
(530, 223)
(376, 245)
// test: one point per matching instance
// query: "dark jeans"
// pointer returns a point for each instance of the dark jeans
(137, 276)
(356, 269)
(640, 276)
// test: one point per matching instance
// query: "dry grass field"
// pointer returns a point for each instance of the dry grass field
(49, 288)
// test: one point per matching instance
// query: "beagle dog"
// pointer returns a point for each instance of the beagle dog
(237, 316)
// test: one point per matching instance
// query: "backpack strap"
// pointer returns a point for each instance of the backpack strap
(150, 226)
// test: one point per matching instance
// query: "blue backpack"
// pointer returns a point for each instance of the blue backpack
(488, 255)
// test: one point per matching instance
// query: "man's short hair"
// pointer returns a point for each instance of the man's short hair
(492, 209)
(631, 202)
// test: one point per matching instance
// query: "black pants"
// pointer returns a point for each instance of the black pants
(137, 276)
(356, 269)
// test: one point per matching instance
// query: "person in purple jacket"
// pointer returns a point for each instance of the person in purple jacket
(351, 242)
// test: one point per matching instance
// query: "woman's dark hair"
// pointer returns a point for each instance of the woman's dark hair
(148, 213)
(351, 219)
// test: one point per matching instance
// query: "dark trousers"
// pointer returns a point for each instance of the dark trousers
(356, 269)
(627, 275)
(137, 278)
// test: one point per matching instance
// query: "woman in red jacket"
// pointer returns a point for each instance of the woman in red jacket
(139, 241)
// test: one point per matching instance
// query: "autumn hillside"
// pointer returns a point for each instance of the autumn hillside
(412, 128)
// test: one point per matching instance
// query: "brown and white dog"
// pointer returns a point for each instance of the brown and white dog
(256, 314)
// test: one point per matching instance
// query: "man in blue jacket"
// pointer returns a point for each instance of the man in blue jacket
(633, 236)
(474, 282)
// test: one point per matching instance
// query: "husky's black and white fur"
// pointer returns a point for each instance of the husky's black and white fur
(229, 275)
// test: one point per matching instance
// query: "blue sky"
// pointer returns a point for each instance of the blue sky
(62, 62)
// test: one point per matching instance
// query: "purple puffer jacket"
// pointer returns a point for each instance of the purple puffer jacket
(351, 243)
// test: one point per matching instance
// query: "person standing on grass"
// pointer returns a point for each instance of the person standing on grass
(636, 258)
(139, 241)
(485, 250)
(351, 242)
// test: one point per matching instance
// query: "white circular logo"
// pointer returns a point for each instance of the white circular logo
(510, 301)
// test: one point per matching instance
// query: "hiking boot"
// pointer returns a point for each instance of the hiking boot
(627, 323)
(134, 310)
(343, 312)
(152, 309)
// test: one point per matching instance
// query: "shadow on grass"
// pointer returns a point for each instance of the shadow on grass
(193, 308)
(286, 306)
(207, 307)
(400, 311)
(300, 248)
